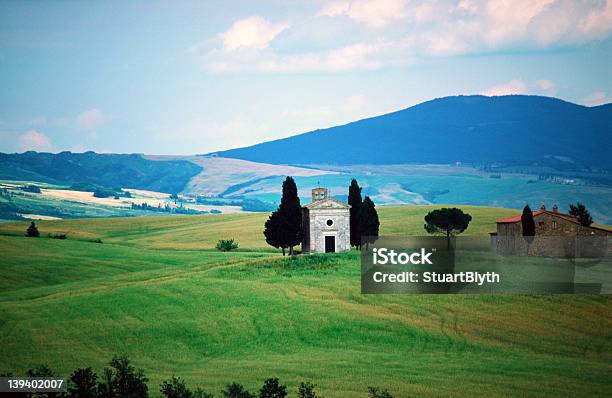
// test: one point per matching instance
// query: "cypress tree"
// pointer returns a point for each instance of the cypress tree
(368, 221)
(290, 211)
(272, 231)
(527, 222)
(528, 225)
(355, 201)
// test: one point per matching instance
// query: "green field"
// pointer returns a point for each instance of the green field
(156, 290)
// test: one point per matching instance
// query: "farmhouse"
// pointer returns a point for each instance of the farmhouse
(557, 234)
(325, 224)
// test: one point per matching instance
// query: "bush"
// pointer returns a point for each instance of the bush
(236, 390)
(123, 380)
(96, 240)
(273, 389)
(306, 390)
(58, 236)
(375, 392)
(226, 245)
(32, 231)
(83, 384)
(175, 388)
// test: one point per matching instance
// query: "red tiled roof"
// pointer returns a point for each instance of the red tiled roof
(517, 218)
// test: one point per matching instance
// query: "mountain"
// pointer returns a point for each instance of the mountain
(471, 129)
(107, 170)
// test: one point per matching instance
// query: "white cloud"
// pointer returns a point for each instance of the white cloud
(334, 9)
(377, 13)
(373, 13)
(34, 141)
(372, 34)
(512, 87)
(90, 120)
(253, 32)
(596, 98)
(358, 56)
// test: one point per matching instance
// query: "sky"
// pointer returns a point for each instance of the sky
(187, 77)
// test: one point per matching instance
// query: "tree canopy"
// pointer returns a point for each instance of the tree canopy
(581, 213)
(449, 221)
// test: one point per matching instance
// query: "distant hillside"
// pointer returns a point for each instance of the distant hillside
(473, 129)
(109, 170)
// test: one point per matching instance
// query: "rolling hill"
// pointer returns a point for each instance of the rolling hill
(472, 129)
(108, 170)
(155, 291)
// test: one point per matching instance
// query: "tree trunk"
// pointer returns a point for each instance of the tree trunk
(448, 240)
(291, 250)
(283, 251)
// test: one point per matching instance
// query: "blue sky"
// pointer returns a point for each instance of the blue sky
(194, 77)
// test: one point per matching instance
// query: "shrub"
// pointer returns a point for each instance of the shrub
(175, 388)
(375, 392)
(123, 380)
(96, 240)
(32, 231)
(306, 390)
(273, 389)
(226, 245)
(236, 390)
(83, 384)
(58, 236)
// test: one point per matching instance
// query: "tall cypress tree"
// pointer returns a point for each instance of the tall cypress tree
(290, 211)
(354, 200)
(528, 225)
(272, 231)
(527, 222)
(368, 221)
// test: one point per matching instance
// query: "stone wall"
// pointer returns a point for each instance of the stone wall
(555, 237)
(340, 229)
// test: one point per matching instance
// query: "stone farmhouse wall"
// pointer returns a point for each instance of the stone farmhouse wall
(556, 236)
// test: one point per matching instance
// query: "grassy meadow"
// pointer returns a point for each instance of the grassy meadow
(156, 290)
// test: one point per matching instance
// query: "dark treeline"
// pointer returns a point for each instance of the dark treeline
(122, 380)
(168, 209)
(246, 204)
